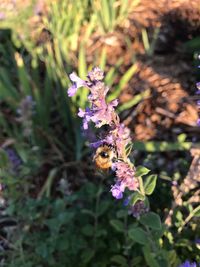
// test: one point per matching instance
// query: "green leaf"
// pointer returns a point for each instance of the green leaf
(102, 62)
(152, 220)
(123, 82)
(87, 255)
(103, 207)
(3, 159)
(182, 137)
(82, 73)
(155, 146)
(149, 257)
(101, 233)
(141, 170)
(121, 213)
(118, 225)
(136, 196)
(88, 212)
(120, 260)
(138, 235)
(87, 230)
(149, 184)
(134, 101)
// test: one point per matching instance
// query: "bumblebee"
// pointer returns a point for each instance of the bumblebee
(104, 157)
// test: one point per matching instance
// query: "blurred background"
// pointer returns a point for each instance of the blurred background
(55, 207)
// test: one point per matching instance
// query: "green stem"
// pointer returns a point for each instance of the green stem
(188, 218)
(96, 217)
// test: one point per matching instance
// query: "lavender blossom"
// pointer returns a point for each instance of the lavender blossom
(138, 209)
(117, 190)
(96, 74)
(103, 113)
(14, 159)
(188, 264)
(197, 241)
(77, 83)
(198, 85)
(125, 174)
(127, 201)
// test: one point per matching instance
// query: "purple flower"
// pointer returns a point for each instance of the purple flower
(127, 201)
(174, 183)
(96, 74)
(87, 115)
(97, 143)
(197, 241)
(117, 190)
(77, 83)
(14, 159)
(101, 112)
(188, 264)
(198, 122)
(138, 209)
(198, 85)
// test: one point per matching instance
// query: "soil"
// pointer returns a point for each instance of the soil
(168, 71)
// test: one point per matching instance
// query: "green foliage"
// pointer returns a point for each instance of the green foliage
(149, 184)
(123, 82)
(156, 146)
(55, 231)
(138, 235)
(151, 220)
(83, 227)
(149, 45)
(110, 13)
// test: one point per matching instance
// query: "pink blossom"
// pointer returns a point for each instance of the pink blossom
(126, 174)
(117, 190)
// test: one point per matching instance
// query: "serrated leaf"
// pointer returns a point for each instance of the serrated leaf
(138, 235)
(118, 225)
(151, 220)
(141, 170)
(150, 184)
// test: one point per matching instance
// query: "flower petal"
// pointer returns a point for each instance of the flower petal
(72, 90)
(74, 78)
(81, 113)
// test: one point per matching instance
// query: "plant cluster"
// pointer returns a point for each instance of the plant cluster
(53, 210)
